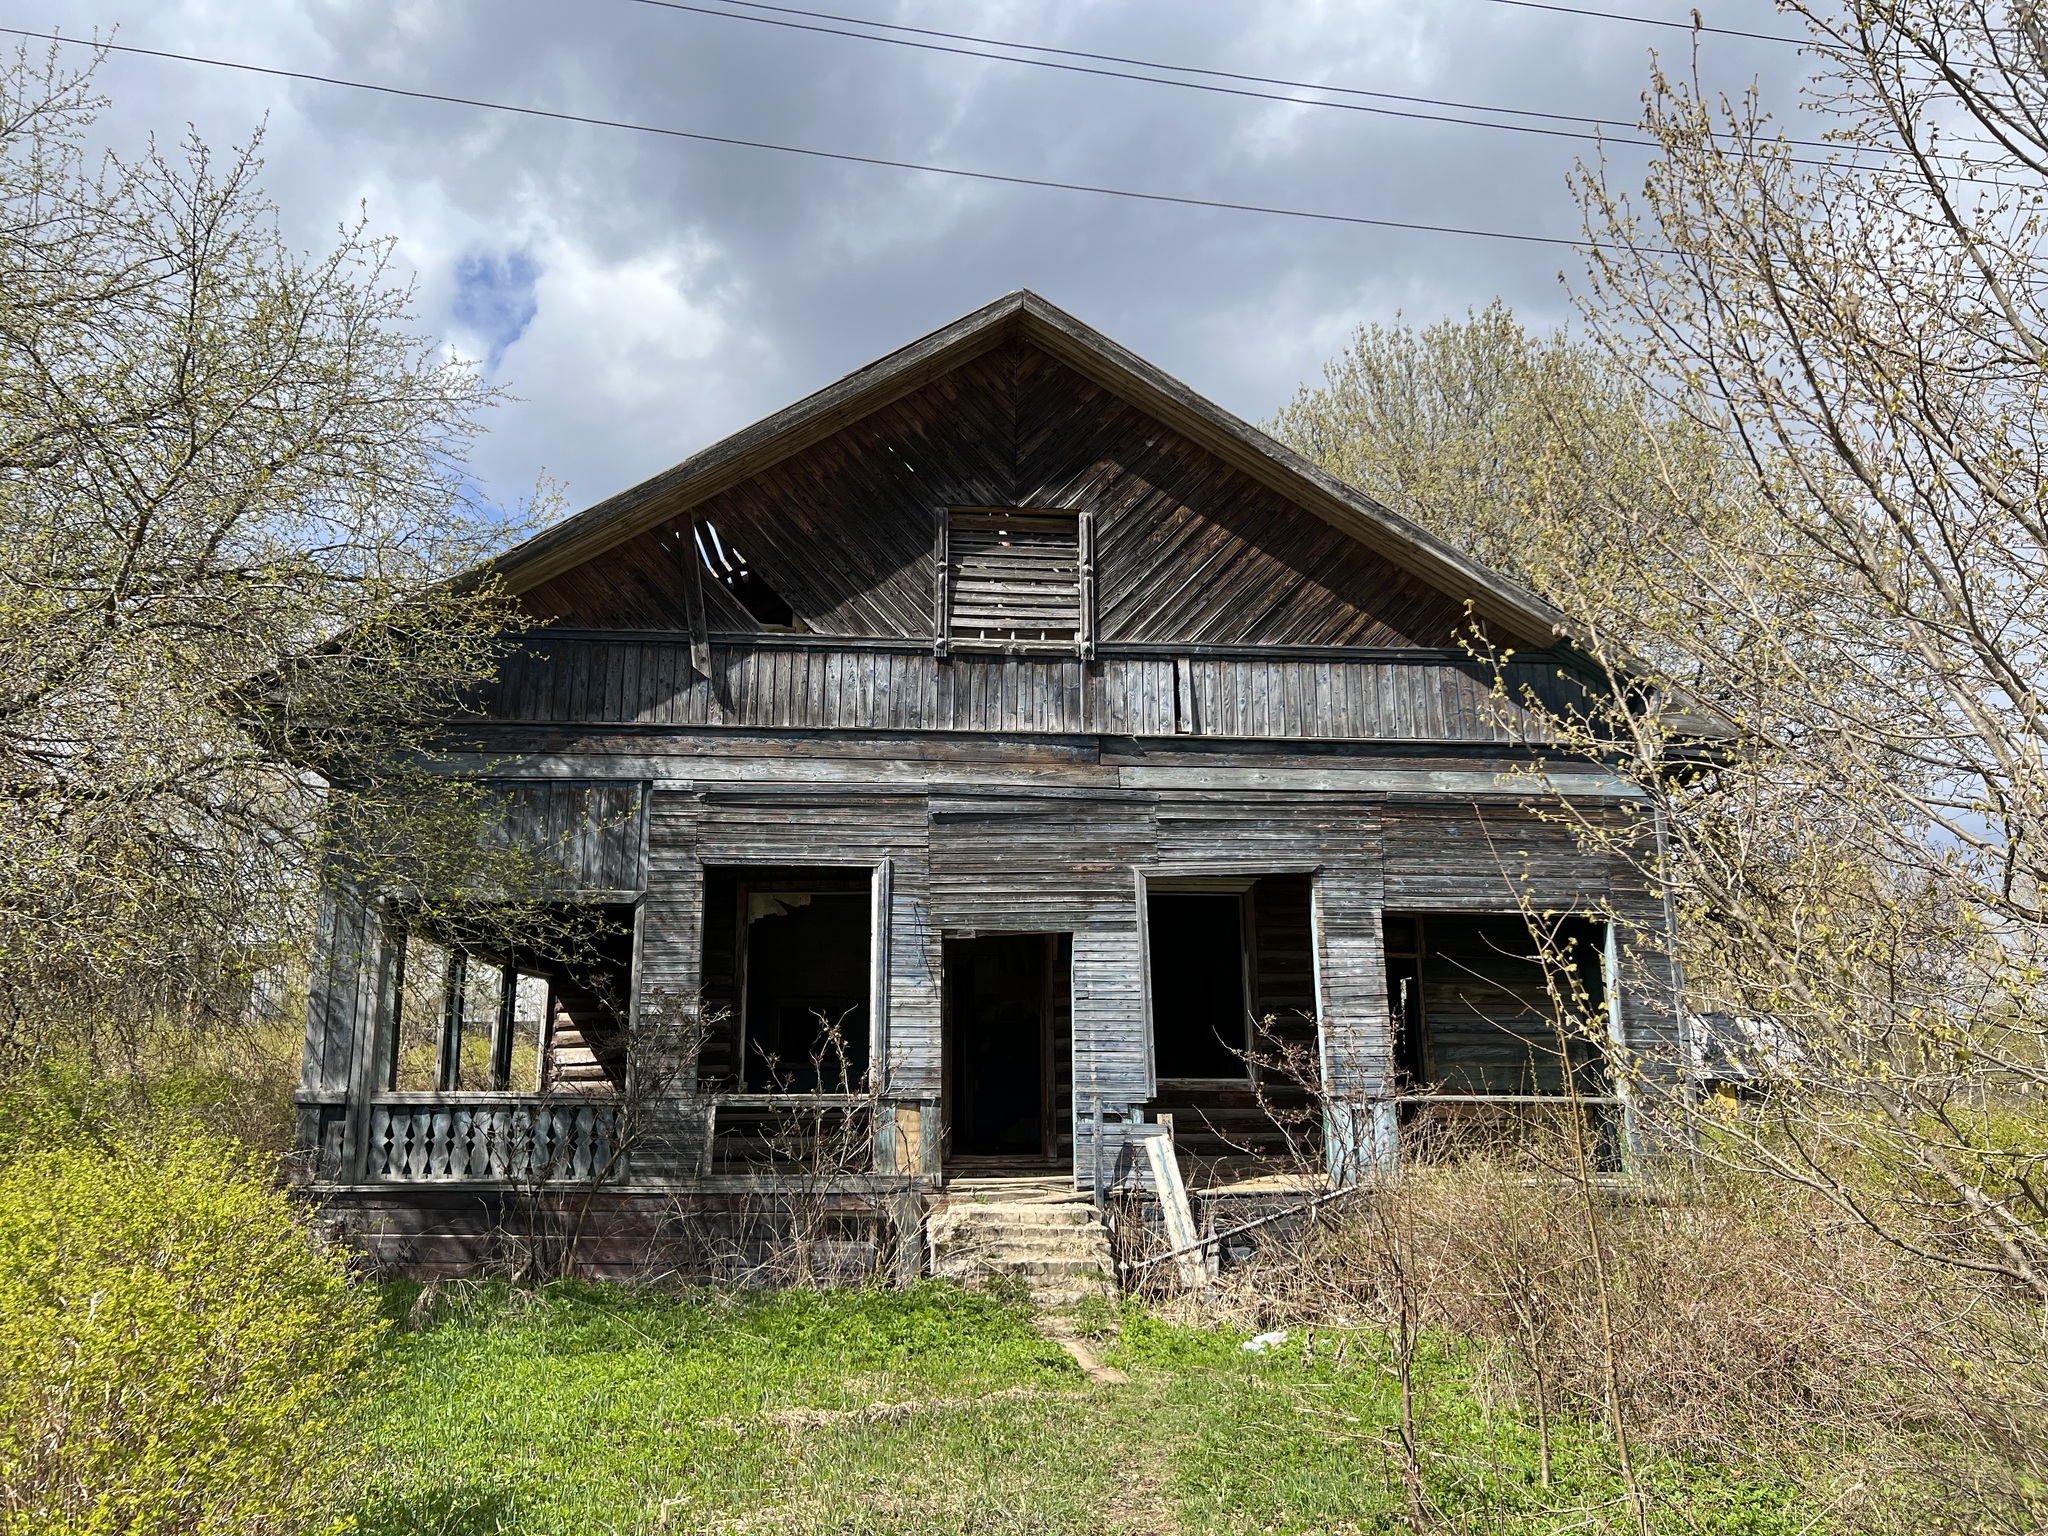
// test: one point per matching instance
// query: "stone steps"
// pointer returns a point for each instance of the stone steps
(1039, 1234)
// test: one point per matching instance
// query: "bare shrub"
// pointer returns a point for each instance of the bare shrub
(814, 1211)
(1741, 1319)
(552, 1214)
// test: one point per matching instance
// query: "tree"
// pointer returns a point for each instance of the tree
(1867, 332)
(1522, 450)
(232, 494)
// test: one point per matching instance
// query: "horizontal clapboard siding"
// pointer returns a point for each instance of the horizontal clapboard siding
(649, 682)
(1492, 1026)
(1463, 858)
(1051, 864)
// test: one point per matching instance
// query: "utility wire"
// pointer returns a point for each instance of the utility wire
(808, 152)
(737, 10)
(1694, 25)
(818, 17)
(1182, 69)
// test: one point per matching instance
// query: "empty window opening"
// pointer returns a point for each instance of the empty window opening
(1234, 1122)
(1007, 1023)
(412, 1058)
(1472, 1012)
(521, 1049)
(1014, 576)
(730, 569)
(801, 969)
(467, 1017)
(1201, 1011)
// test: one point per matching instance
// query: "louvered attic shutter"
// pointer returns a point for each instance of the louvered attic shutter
(1014, 576)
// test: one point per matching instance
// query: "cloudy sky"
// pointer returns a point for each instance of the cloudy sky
(642, 296)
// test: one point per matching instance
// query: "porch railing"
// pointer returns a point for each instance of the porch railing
(519, 1141)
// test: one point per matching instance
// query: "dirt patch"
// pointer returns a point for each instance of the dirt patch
(883, 1413)
(1091, 1364)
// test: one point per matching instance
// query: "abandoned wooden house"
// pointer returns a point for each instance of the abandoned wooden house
(1000, 755)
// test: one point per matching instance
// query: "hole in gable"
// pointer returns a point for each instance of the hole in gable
(729, 568)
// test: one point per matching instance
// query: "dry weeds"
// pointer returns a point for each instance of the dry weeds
(1729, 1318)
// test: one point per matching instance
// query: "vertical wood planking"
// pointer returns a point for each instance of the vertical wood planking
(653, 682)
(340, 958)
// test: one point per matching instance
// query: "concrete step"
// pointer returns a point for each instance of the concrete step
(1033, 1270)
(1060, 1250)
(1020, 1244)
(1038, 1218)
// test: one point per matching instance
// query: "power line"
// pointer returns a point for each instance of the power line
(735, 10)
(1112, 58)
(1695, 25)
(806, 151)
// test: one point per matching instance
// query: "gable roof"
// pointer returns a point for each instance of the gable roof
(1511, 611)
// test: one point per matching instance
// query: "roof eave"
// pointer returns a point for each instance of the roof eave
(1512, 613)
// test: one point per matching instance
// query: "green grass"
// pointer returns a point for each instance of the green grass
(586, 1409)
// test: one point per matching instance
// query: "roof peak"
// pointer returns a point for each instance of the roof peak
(1517, 614)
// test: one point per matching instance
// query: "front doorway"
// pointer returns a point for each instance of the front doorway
(1009, 1056)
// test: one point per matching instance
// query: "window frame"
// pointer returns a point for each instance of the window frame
(946, 640)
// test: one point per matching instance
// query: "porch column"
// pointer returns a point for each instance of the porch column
(1354, 1030)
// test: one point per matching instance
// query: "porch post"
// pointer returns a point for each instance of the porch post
(1354, 1031)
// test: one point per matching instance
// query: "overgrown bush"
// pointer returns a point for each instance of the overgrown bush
(1733, 1317)
(174, 1348)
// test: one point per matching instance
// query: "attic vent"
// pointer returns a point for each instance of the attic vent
(1015, 577)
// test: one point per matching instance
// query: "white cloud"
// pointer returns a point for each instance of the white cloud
(622, 368)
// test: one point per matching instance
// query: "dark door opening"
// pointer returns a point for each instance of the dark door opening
(1004, 1009)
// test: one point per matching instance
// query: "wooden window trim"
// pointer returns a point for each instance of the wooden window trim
(947, 634)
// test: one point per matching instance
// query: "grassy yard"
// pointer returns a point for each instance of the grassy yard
(585, 1409)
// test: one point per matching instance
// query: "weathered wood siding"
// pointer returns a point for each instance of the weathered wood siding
(1486, 859)
(587, 838)
(1188, 547)
(801, 826)
(1061, 864)
(1338, 837)
(1644, 1007)
(647, 680)
(344, 946)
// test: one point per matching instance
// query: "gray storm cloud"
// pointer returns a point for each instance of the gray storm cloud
(641, 297)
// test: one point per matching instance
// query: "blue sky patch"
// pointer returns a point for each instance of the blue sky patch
(494, 298)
